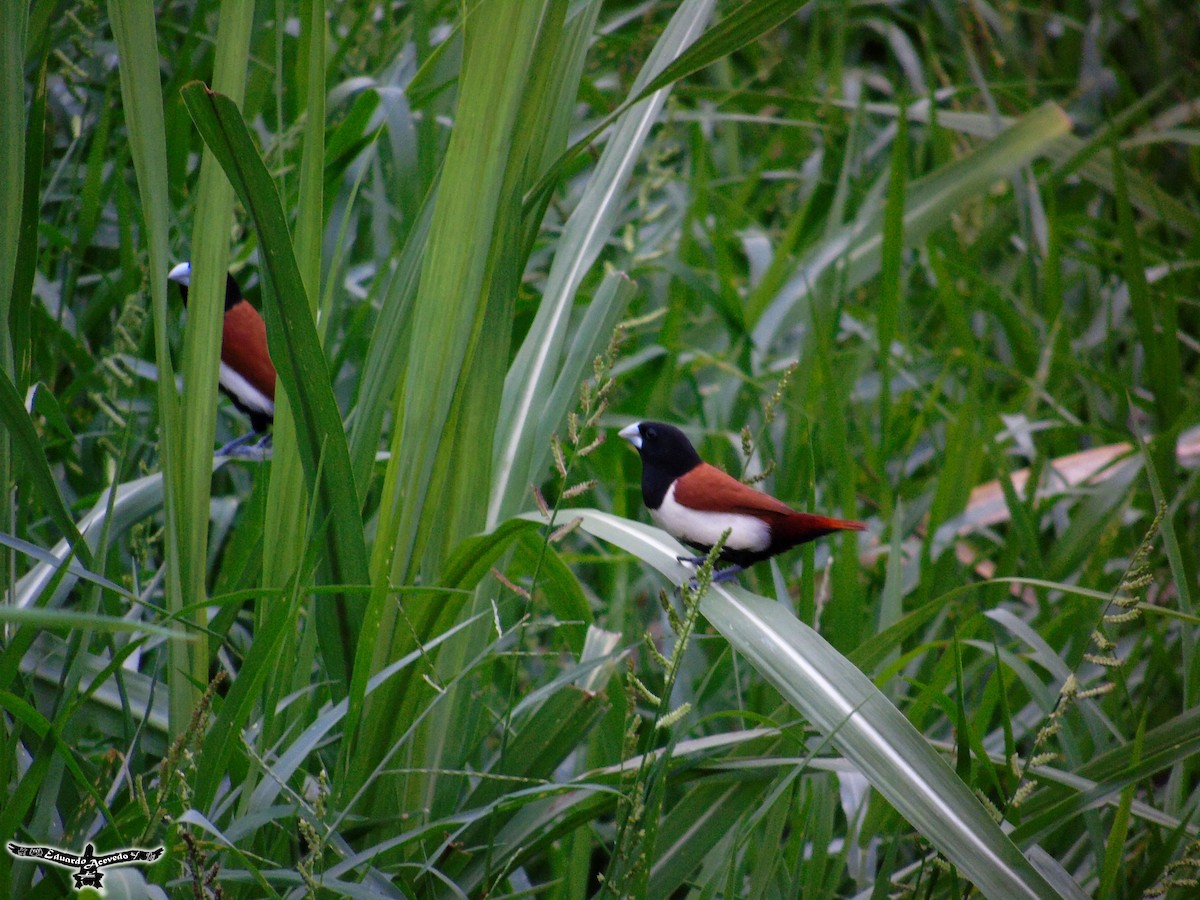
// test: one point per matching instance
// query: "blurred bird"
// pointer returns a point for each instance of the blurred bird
(247, 375)
(696, 503)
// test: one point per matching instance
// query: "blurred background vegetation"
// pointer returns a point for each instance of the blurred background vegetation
(931, 265)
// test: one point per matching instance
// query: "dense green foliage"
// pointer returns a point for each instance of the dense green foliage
(902, 263)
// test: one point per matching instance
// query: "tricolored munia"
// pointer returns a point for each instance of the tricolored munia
(696, 503)
(247, 375)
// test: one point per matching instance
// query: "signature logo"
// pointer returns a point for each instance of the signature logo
(89, 865)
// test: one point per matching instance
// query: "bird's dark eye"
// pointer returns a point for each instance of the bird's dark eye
(650, 433)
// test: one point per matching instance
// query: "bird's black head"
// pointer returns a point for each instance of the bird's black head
(182, 276)
(666, 454)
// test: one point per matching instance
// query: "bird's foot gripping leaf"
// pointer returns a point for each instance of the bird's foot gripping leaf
(237, 449)
(721, 575)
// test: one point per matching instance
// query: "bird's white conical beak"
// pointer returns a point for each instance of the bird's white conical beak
(182, 273)
(631, 434)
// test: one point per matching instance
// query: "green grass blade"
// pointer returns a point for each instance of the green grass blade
(202, 351)
(52, 619)
(12, 181)
(529, 445)
(463, 259)
(76, 569)
(12, 158)
(707, 814)
(296, 351)
(24, 439)
(855, 251)
(459, 335)
(747, 23)
(284, 524)
(891, 288)
(1104, 777)
(1086, 157)
(131, 503)
(542, 740)
(1115, 846)
(186, 499)
(20, 311)
(587, 230)
(1156, 319)
(287, 528)
(384, 367)
(261, 663)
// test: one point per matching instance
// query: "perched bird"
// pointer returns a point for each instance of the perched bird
(247, 375)
(696, 503)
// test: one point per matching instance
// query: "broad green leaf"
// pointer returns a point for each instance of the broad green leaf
(299, 360)
(470, 257)
(435, 487)
(384, 367)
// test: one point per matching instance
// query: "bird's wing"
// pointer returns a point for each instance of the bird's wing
(709, 489)
(244, 347)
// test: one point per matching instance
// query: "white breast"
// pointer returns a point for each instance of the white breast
(245, 391)
(706, 528)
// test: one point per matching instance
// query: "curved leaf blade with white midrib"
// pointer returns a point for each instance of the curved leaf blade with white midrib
(844, 704)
